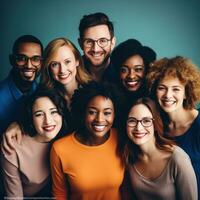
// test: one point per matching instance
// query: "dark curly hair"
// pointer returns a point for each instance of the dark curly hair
(82, 97)
(27, 121)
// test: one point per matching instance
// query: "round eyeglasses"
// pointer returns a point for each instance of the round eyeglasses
(146, 122)
(21, 60)
(102, 42)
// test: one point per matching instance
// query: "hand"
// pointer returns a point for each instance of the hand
(13, 134)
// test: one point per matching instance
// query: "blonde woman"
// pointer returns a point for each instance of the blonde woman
(63, 68)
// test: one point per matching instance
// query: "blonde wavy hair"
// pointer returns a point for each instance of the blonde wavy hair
(177, 67)
(47, 80)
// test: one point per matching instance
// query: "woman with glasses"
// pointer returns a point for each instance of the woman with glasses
(175, 85)
(158, 169)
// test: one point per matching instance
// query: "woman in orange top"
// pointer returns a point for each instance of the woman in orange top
(86, 163)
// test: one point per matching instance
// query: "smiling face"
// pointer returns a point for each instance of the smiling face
(28, 71)
(132, 73)
(140, 134)
(46, 119)
(63, 66)
(170, 94)
(99, 117)
(96, 55)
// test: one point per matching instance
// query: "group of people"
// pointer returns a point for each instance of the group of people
(114, 123)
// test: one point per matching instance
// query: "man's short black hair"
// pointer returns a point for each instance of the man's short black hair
(25, 39)
(94, 20)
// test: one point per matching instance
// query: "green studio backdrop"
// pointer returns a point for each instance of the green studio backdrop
(170, 27)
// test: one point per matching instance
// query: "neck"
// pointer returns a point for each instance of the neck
(181, 121)
(98, 71)
(22, 85)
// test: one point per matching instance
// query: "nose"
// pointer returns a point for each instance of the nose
(131, 73)
(29, 64)
(95, 46)
(47, 119)
(62, 68)
(139, 126)
(99, 117)
(168, 93)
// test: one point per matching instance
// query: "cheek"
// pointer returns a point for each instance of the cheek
(37, 123)
(122, 76)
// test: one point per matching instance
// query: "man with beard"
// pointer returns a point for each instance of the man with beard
(26, 59)
(96, 39)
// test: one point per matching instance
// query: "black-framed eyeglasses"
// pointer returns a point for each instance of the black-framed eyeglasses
(146, 122)
(21, 60)
(102, 42)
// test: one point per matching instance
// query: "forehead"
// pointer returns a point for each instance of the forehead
(63, 52)
(29, 49)
(171, 80)
(43, 103)
(140, 111)
(96, 32)
(100, 102)
(134, 60)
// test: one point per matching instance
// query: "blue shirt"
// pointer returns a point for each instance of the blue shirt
(11, 102)
(190, 142)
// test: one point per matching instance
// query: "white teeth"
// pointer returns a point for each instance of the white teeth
(49, 128)
(139, 135)
(168, 102)
(99, 127)
(63, 76)
(132, 83)
(28, 73)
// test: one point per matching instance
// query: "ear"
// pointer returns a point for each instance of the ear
(113, 42)
(77, 63)
(80, 43)
(11, 59)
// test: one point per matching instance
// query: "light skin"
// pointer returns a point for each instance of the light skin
(170, 94)
(98, 57)
(151, 161)
(46, 119)
(28, 72)
(99, 119)
(132, 73)
(63, 67)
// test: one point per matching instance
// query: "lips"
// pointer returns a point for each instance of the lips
(98, 128)
(167, 102)
(64, 76)
(49, 128)
(139, 135)
(28, 72)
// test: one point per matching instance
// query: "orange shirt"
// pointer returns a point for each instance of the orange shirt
(81, 172)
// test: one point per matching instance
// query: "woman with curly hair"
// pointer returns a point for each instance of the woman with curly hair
(175, 84)
(86, 164)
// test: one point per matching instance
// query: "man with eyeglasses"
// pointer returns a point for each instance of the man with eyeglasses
(26, 60)
(96, 39)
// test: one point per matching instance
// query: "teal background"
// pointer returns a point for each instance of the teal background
(170, 27)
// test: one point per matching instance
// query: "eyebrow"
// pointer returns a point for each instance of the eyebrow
(133, 66)
(97, 109)
(43, 111)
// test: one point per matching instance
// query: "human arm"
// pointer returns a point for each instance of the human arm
(59, 186)
(12, 134)
(11, 175)
(185, 178)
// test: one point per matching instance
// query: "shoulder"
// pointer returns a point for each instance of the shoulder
(180, 157)
(63, 142)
